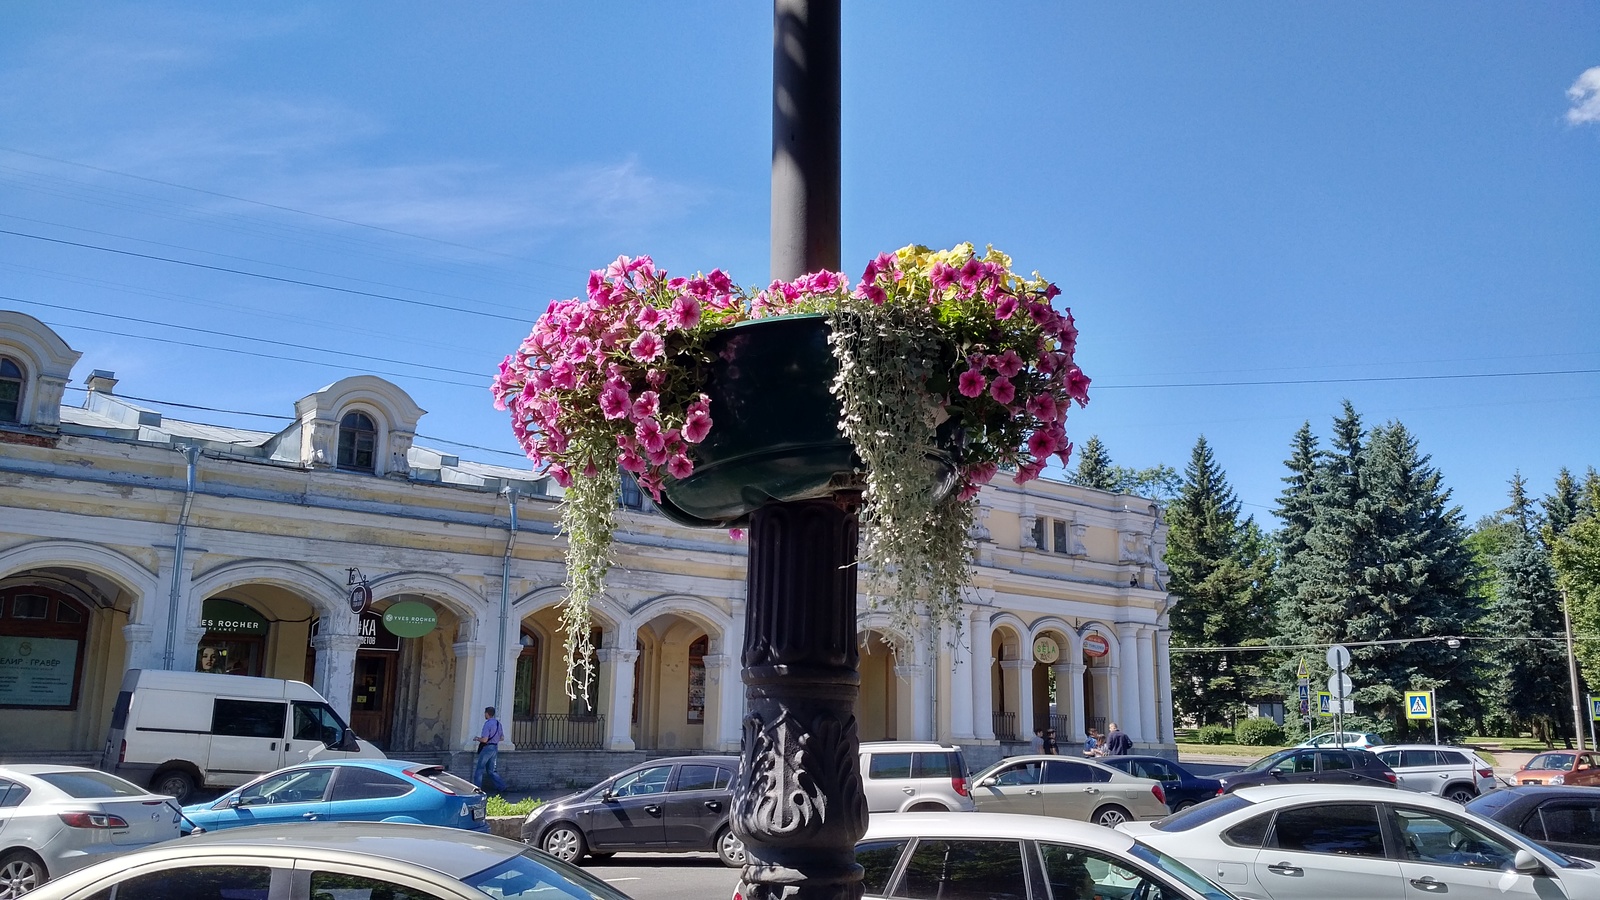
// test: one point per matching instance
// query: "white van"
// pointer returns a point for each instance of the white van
(177, 731)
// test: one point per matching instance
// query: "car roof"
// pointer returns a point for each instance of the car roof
(451, 851)
(1269, 793)
(1042, 757)
(883, 826)
(43, 769)
(906, 745)
(1382, 747)
(665, 760)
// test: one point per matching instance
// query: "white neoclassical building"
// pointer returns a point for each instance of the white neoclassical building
(130, 539)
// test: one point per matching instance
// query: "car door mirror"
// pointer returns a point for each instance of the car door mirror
(991, 781)
(235, 802)
(608, 795)
(348, 743)
(1526, 863)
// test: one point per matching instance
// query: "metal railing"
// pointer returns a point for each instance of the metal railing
(558, 731)
(1005, 726)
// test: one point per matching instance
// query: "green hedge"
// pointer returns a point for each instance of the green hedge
(1259, 733)
(1214, 734)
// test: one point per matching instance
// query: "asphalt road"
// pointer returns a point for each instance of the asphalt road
(667, 876)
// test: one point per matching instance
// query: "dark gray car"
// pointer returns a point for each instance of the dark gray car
(1299, 765)
(678, 804)
(1565, 819)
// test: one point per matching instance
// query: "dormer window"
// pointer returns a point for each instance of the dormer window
(10, 391)
(358, 442)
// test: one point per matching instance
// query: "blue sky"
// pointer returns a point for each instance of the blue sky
(1296, 197)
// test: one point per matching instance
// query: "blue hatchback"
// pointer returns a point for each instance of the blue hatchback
(1182, 788)
(348, 790)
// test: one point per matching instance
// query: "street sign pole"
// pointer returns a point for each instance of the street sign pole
(1433, 707)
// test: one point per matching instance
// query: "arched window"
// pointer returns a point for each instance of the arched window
(10, 391)
(697, 678)
(358, 442)
(42, 636)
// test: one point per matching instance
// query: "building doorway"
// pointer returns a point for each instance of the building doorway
(372, 701)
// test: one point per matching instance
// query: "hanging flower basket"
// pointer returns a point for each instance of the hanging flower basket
(938, 370)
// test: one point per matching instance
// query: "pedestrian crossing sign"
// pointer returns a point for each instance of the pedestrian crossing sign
(1594, 709)
(1324, 703)
(1419, 704)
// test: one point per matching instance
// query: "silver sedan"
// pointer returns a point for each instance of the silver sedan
(1045, 785)
(317, 860)
(54, 819)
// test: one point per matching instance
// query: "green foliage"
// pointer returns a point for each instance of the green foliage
(1218, 570)
(1159, 482)
(1094, 466)
(1576, 559)
(1214, 734)
(500, 806)
(1259, 732)
(1383, 560)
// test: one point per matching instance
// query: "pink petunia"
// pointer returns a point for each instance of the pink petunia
(696, 426)
(631, 461)
(685, 312)
(680, 467)
(942, 276)
(646, 405)
(1065, 453)
(1041, 444)
(647, 346)
(971, 276)
(1028, 472)
(1078, 385)
(735, 534)
(560, 475)
(1005, 308)
(1042, 407)
(648, 431)
(1003, 391)
(971, 383)
(649, 318)
(614, 400)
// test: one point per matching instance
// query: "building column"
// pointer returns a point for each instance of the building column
(506, 702)
(142, 652)
(469, 690)
(1164, 684)
(1076, 711)
(336, 668)
(1148, 691)
(730, 730)
(982, 680)
(1128, 678)
(616, 696)
(960, 706)
(714, 734)
(918, 679)
(1022, 676)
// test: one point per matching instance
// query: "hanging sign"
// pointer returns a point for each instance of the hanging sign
(1095, 645)
(410, 619)
(1046, 650)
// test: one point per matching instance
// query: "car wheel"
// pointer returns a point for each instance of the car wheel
(927, 807)
(175, 783)
(1460, 794)
(730, 849)
(20, 872)
(1183, 806)
(564, 842)
(1110, 816)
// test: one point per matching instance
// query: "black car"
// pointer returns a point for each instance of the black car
(1565, 819)
(1300, 765)
(1182, 788)
(676, 804)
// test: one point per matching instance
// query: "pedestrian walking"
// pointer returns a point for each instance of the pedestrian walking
(1091, 744)
(488, 759)
(1117, 742)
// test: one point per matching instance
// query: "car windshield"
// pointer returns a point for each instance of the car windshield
(541, 876)
(1265, 762)
(1558, 761)
(1178, 872)
(84, 785)
(1201, 813)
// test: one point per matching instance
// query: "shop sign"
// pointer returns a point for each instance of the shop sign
(219, 616)
(410, 619)
(37, 671)
(1046, 650)
(374, 636)
(1095, 645)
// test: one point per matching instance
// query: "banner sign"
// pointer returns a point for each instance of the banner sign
(37, 671)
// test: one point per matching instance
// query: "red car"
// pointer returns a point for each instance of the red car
(1561, 767)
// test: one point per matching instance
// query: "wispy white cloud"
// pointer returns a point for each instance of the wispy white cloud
(1585, 97)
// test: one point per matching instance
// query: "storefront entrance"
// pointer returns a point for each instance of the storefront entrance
(372, 701)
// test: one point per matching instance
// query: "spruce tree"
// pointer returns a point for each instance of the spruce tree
(1534, 683)
(1219, 574)
(1560, 508)
(1094, 466)
(1520, 510)
(1297, 503)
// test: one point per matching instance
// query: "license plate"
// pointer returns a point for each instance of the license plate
(1531, 781)
(477, 813)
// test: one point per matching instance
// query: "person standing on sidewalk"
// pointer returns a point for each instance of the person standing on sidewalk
(489, 750)
(1117, 742)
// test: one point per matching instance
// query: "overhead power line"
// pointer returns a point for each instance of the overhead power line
(265, 277)
(1374, 378)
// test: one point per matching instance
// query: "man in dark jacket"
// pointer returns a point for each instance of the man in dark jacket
(1117, 742)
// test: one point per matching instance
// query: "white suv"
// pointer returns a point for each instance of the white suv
(1454, 773)
(907, 776)
(1329, 740)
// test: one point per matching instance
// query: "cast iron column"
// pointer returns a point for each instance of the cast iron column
(798, 804)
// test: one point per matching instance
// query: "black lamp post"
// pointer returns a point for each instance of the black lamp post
(798, 804)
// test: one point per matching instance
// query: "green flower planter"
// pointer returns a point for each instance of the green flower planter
(775, 433)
